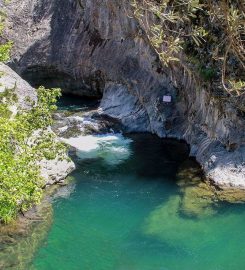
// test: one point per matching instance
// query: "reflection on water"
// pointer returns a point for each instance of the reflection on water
(18, 242)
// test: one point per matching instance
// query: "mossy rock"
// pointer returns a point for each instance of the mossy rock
(231, 195)
(198, 201)
(197, 196)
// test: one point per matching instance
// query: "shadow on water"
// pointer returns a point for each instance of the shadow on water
(157, 158)
(70, 102)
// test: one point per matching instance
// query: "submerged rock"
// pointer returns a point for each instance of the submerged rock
(167, 224)
(199, 198)
(197, 201)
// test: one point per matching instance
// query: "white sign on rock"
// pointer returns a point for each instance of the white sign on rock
(167, 98)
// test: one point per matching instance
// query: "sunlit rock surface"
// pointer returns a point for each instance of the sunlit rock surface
(11, 81)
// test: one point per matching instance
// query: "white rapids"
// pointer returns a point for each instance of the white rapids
(112, 148)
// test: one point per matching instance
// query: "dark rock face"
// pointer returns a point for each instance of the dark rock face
(91, 47)
(80, 45)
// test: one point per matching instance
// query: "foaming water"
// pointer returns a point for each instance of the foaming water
(111, 148)
(125, 213)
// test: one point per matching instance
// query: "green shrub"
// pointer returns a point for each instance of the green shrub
(21, 184)
(5, 51)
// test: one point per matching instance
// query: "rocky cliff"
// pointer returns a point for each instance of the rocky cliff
(96, 48)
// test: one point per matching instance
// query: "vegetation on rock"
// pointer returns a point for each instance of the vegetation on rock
(24, 141)
(5, 47)
(203, 36)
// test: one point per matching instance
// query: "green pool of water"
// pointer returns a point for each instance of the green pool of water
(126, 216)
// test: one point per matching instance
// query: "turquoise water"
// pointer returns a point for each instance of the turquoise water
(125, 216)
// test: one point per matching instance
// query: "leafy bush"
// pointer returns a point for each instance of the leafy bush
(24, 141)
(5, 51)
